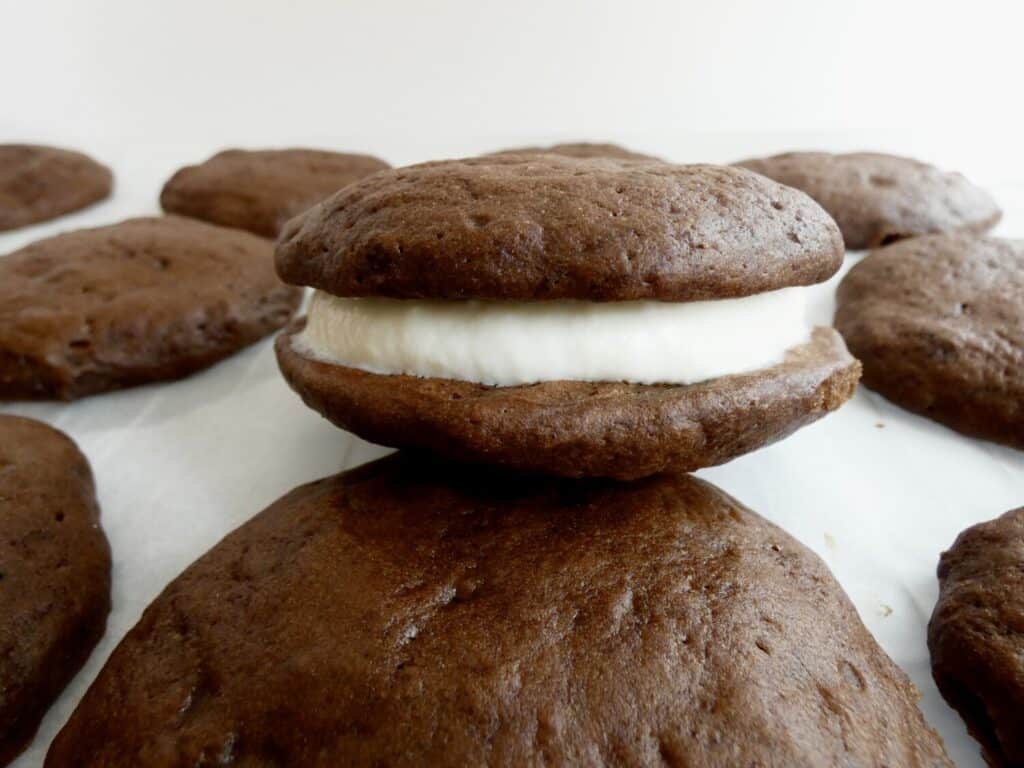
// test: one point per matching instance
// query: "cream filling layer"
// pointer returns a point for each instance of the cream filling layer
(510, 343)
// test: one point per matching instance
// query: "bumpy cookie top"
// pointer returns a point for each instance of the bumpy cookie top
(878, 198)
(939, 324)
(976, 635)
(532, 227)
(259, 190)
(39, 183)
(407, 613)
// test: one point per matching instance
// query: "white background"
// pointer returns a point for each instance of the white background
(149, 86)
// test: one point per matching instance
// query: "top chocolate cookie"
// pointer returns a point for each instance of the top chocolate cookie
(259, 190)
(533, 227)
(40, 183)
(877, 199)
(581, 149)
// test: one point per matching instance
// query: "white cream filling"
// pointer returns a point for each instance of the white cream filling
(509, 343)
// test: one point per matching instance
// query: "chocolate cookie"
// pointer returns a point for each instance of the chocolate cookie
(976, 635)
(407, 613)
(42, 183)
(939, 325)
(583, 149)
(530, 228)
(877, 199)
(54, 574)
(259, 190)
(579, 428)
(140, 301)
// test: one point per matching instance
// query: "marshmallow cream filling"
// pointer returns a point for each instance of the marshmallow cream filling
(510, 343)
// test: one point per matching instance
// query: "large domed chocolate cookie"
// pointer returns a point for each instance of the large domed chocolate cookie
(413, 614)
(40, 183)
(583, 149)
(530, 227)
(939, 324)
(879, 198)
(976, 635)
(579, 428)
(54, 573)
(143, 300)
(259, 190)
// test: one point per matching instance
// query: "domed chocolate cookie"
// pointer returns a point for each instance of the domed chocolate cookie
(938, 323)
(54, 574)
(584, 317)
(41, 183)
(139, 301)
(877, 199)
(976, 635)
(583, 149)
(259, 190)
(407, 613)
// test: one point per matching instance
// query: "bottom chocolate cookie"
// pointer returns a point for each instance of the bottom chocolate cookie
(976, 635)
(578, 428)
(54, 574)
(412, 613)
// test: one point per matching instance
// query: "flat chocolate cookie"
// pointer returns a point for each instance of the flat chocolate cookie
(877, 199)
(54, 574)
(41, 183)
(938, 323)
(532, 227)
(259, 190)
(579, 428)
(583, 149)
(976, 635)
(408, 613)
(144, 300)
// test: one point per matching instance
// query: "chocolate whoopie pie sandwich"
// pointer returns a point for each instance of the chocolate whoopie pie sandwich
(578, 317)
(408, 613)
(40, 183)
(260, 190)
(976, 635)
(144, 300)
(938, 322)
(877, 199)
(54, 573)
